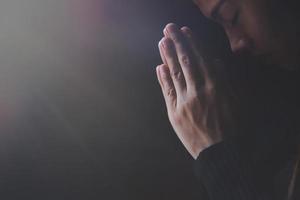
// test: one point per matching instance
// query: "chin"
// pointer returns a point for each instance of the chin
(264, 57)
(255, 58)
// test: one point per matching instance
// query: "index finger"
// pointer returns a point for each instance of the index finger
(197, 52)
(185, 55)
(162, 55)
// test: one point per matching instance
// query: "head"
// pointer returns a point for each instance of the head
(266, 29)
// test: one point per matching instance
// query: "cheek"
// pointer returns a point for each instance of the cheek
(258, 35)
(256, 28)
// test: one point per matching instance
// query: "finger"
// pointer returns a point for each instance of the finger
(167, 86)
(196, 50)
(162, 55)
(185, 55)
(159, 77)
(166, 32)
(174, 66)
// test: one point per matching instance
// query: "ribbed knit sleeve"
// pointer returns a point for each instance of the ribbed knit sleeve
(237, 169)
(227, 173)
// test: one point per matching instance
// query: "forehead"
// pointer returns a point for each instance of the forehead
(206, 6)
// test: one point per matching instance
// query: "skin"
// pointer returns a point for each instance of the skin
(189, 86)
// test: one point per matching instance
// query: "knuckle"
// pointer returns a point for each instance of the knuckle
(176, 39)
(176, 74)
(171, 92)
(165, 76)
(177, 118)
(186, 61)
(191, 101)
(181, 110)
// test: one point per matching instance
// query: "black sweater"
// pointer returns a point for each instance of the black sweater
(235, 170)
(260, 162)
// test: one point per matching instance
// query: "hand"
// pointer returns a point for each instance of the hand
(190, 91)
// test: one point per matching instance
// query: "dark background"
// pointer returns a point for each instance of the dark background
(82, 112)
(82, 115)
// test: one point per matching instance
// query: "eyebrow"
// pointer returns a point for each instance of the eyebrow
(215, 10)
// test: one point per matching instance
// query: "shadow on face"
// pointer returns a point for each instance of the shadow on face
(252, 26)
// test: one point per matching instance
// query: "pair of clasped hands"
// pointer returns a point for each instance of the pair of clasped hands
(189, 89)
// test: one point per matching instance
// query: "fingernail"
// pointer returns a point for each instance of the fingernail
(167, 43)
(164, 44)
(186, 30)
(162, 70)
(166, 32)
(171, 28)
(161, 43)
(158, 74)
(157, 69)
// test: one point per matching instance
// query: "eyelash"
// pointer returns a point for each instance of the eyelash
(235, 19)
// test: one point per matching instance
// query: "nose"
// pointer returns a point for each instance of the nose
(239, 46)
(239, 43)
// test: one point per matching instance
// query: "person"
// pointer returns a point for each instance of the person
(260, 165)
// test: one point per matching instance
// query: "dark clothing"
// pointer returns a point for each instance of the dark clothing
(257, 165)
(228, 172)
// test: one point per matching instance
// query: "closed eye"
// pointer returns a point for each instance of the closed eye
(235, 19)
(228, 14)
